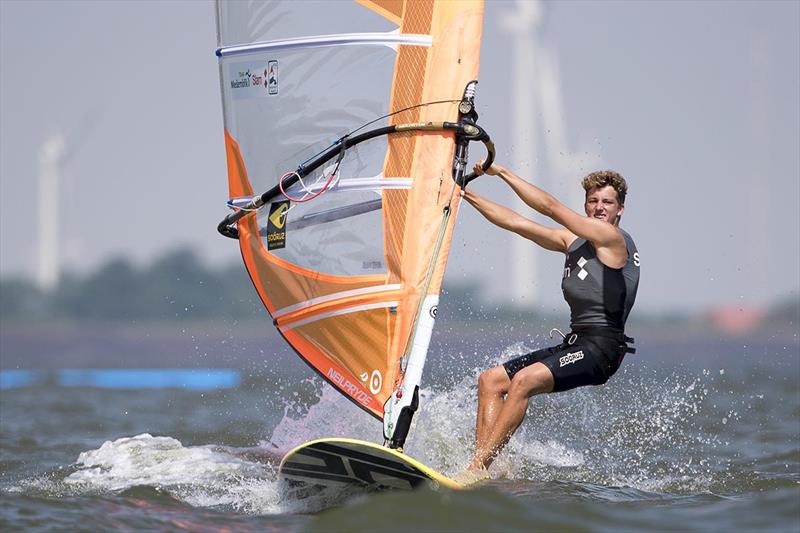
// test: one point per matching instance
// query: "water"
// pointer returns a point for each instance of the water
(692, 434)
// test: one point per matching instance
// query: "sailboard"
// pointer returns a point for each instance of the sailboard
(355, 464)
(347, 127)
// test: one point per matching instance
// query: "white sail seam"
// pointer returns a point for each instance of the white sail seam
(345, 311)
(335, 296)
(385, 39)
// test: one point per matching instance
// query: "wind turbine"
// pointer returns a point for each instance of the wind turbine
(53, 157)
(537, 122)
(51, 161)
(523, 23)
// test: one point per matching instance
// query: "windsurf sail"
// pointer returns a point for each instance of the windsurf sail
(347, 126)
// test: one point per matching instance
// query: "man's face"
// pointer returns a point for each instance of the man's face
(601, 203)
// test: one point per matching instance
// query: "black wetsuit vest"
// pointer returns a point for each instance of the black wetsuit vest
(599, 296)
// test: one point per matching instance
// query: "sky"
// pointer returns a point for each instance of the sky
(696, 103)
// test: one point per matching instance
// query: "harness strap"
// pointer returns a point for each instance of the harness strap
(608, 333)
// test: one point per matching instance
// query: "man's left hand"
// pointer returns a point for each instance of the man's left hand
(493, 170)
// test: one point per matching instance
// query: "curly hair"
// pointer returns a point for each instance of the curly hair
(602, 178)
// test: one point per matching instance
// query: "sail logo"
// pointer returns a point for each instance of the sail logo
(271, 74)
(375, 381)
(254, 79)
(347, 387)
(276, 225)
(241, 80)
(278, 217)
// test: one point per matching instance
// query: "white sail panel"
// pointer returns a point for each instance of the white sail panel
(250, 21)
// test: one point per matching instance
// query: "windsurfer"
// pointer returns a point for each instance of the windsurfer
(600, 279)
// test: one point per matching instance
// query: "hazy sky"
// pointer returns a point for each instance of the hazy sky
(696, 103)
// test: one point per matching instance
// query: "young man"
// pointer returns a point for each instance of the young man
(600, 279)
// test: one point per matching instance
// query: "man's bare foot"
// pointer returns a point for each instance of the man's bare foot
(471, 477)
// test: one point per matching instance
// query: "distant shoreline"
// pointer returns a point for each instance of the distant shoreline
(254, 343)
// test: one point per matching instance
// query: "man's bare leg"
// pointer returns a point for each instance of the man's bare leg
(532, 380)
(492, 387)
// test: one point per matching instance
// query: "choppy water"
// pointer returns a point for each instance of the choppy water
(690, 435)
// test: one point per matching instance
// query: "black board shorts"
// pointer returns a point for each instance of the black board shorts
(588, 360)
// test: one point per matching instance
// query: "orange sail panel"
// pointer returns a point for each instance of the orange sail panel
(349, 258)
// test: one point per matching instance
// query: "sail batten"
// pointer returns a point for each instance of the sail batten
(391, 39)
(323, 314)
(339, 296)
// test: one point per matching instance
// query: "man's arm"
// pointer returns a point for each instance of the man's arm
(600, 233)
(556, 239)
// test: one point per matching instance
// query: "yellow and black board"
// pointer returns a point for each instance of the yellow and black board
(351, 463)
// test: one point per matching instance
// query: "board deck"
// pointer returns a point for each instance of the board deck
(351, 463)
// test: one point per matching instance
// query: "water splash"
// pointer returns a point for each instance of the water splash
(328, 415)
(201, 476)
(641, 430)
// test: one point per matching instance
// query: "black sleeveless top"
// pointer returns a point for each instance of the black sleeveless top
(598, 295)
